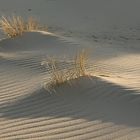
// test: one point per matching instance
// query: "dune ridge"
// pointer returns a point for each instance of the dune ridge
(106, 106)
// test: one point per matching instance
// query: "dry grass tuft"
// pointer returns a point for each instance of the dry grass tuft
(59, 77)
(80, 63)
(16, 26)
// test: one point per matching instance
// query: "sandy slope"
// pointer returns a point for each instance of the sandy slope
(117, 19)
(104, 107)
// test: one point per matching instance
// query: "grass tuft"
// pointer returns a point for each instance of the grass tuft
(16, 26)
(59, 77)
(81, 60)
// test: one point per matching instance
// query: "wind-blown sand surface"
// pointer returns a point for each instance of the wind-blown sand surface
(104, 107)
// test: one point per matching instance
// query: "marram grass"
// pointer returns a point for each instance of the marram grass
(16, 25)
(59, 77)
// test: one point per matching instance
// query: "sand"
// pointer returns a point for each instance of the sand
(102, 107)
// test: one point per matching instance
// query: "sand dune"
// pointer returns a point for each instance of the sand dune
(104, 106)
(97, 113)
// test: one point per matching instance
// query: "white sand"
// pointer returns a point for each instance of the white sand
(104, 107)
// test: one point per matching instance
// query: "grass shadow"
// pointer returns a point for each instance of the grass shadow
(90, 99)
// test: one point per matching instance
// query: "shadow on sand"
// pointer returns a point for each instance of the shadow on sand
(90, 99)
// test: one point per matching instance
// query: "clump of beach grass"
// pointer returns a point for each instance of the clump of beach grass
(81, 60)
(16, 25)
(59, 77)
